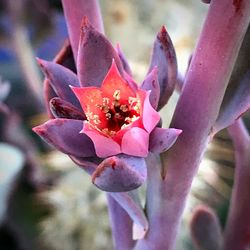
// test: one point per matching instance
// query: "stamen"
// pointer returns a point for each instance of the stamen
(96, 119)
(117, 94)
(108, 116)
(132, 100)
(105, 109)
(105, 100)
(124, 108)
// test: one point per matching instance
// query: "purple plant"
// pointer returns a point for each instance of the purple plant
(110, 126)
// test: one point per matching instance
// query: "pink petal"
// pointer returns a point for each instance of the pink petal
(90, 99)
(104, 146)
(150, 116)
(113, 81)
(135, 142)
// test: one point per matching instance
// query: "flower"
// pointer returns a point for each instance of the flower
(100, 117)
(119, 118)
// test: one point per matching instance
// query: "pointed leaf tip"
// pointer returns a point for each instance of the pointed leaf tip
(95, 56)
(64, 135)
(164, 57)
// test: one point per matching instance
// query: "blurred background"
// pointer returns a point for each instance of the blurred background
(46, 202)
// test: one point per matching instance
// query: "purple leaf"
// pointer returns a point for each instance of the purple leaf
(74, 11)
(121, 225)
(165, 59)
(124, 61)
(120, 173)
(205, 229)
(131, 204)
(161, 139)
(235, 103)
(95, 56)
(63, 109)
(65, 57)
(139, 138)
(64, 135)
(60, 78)
(49, 93)
(151, 83)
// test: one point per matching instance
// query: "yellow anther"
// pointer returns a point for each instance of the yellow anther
(117, 94)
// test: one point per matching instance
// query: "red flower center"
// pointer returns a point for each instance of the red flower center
(114, 114)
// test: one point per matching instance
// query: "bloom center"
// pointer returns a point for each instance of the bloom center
(115, 113)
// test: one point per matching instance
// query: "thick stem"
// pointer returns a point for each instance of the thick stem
(121, 225)
(74, 11)
(237, 232)
(195, 114)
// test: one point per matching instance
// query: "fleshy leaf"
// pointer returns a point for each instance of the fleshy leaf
(49, 93)
(205, 229)
(151, 83)
(120, 173)
(95, 56)
(60, 78)
(135, 142)
(121, 225)
(165, 59)
(65, 57)
(235, 103)
(63, 109)
(131, 203)
(64, 135)
(161, 139)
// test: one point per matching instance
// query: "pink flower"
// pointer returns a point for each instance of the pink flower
(119, 116)
(100, 117)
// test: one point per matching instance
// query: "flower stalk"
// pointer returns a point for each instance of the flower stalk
(195, 114)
